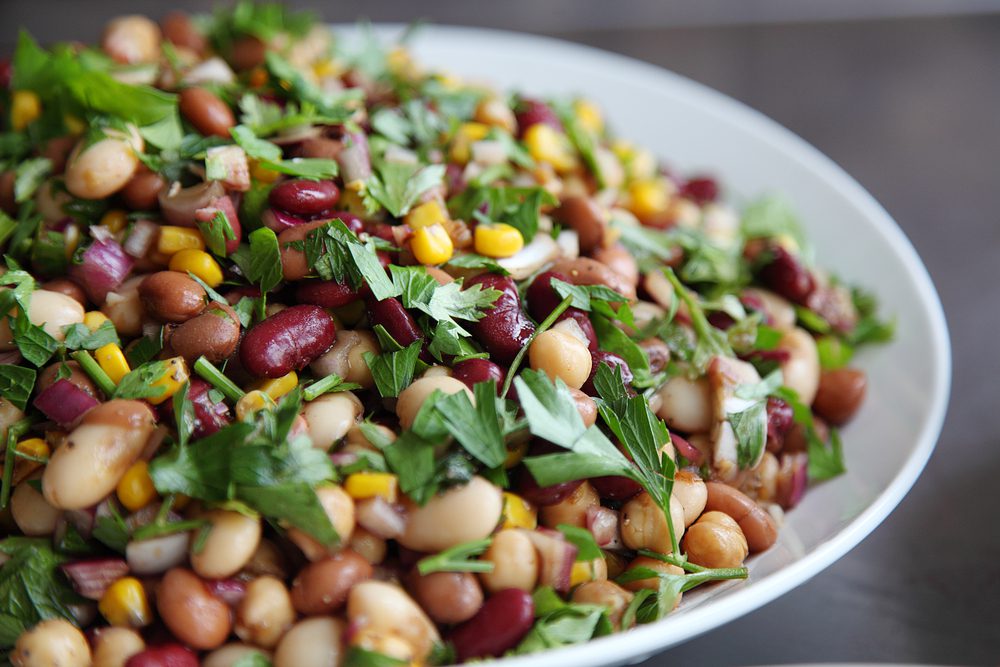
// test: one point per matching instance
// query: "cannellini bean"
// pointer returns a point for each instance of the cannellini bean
(801, 370)
(52, 643)
(346, 357)
(645, 527)
(460, 514)
(314, 642)
(96, 454)
(132, 39)
(330, 417)
(105, 167)
(377, 609)
(231, 542)
(52, 311)
(265, 612)
(230, 654)
(369, 546)
(113, 646)
(340, 508)
(689, 489)
(32, 514)
(515, 562)
(413, 397)
(686, 405)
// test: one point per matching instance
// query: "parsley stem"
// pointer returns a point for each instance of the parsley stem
(96, 373)
(320, 387)
(14, 431)
(217, 379)
(546, 323)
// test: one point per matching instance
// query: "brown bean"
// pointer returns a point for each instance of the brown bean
(7, 203)
(320, 147)
(143, 191)
(180, 30)
(76, 376)
(587, 271)
(657, 352)
(619, 260)
(67, 287)
(179, 205)
(191, 612)
(171, 296)
(757, 525)
(293, 261)
(215, 333)
(715, 540)
(206, 111)
(247, 53)
(840, 395)
(585, 217)
(287, 341)
(322, 587)
(447, 597)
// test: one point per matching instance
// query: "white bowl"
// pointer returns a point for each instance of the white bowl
(697, 129)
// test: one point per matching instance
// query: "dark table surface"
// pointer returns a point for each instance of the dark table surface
(911, 108)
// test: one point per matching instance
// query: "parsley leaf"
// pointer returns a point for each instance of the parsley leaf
(29, 175)
(586, 545)
(216, 232)
(34, 343)
(139, 383)
(260, 262)
(16, 383)
(561, 623)
(398, 186)
(516, 206)
(771, 216)
(269, 157)
(336, 253)
(393, 371)
(80, 337)
(476, 428)
(31, 587)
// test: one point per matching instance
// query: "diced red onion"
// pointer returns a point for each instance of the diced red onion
(793, 477)
(63, 402)
(230, 591)
(157, 554)
(224, 204)
(380, 518)
(686, 449)
(141, 238)
(343, 458)
(603, 523)
(354, 160)
(103, 267)
(92, 577)
(557, 558)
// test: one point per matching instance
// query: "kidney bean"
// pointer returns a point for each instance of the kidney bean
(615, 488)
(543, 495)
(701, 189)
(180, 30)
(322, 587)
(584, 216)
(164, 655)
(171, 296)
(504, 329)
(779, 420)
(190, 611)
(399, 323)
(474, 371)
(530, 112)
(206, 111)
(757, 525)
(142, 192)
(542, 299)
(293, 261)
(447, 597)
(787, 276)
(304, 197)
(287, 341)
(325, 293)
(215, 333)
(320, 147)
(841, 392)
(500, 624)
(615, 362)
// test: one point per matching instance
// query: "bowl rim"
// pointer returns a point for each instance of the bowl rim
(643, 641)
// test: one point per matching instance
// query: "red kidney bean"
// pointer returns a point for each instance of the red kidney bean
(610, 359)
(657, 352)
(209, 417)
(504, 329)
(165, 655)
(278, 221)
(586, 325)
(500, 624)
(303, 197)
(840, 395)
(474, 371)
(786, 275)
(702, 189)
(288, 340)
(6, 71)
(544, 495)
(325, 293)
(399, 323)
(351, 221)
(530, 112)
(779, 420)
(615, 488)
(542, 299)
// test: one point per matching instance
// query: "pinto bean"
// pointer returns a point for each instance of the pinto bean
(55, 642)
(293, 261)
(179, 205)
(180, 30)
(206, 111)
(587, 271)
(840, 394)
(460, 514)
(447, 597)
(214, 334)
(585, 217)
(286, 341)
(191, 612)
(52, 311)
(757, 525)
(171, 296)
(504, 329)
(322, 587)
(142, 192)
(67, 288)
(619, 260)
(232, 541)
(303, 197)
(716, 540)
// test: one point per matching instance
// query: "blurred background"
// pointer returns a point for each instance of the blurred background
(905, 95)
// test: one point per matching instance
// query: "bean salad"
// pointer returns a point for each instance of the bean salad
(313, 357)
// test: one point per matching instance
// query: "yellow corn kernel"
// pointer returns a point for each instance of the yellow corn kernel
(275, 388)
(498, 240)
(24, 467)
(124, 604)
(112, 361)
(136, 490)
(25, 107)
(327, 67)
(198, 262)
(251, 402)
(74, 125)
(648, 198)
(466, 135)
(547, 144)
(71, 237)
(399, 61)
(263, 174)
(361, 485)
(425, 215)
(115, 220)
(788, 242)
(518, 512)
(515, 452)
(174, 239)
(589, 116)
(172, 380)
(93, 319)
(432, 245)
(582, 571)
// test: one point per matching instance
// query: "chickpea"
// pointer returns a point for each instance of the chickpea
(515, 562)
(653, 564)
(322, 587)
(191, 612)
(113, 646)
(412, 398)
(607, 594)
(380, 610)
(132, 39)
(571, 510)
(232, 654)
(716, 540)
(460, 514)
(447, 597)
(51, 643)
(560, 355)
(686, 405)
(314, 642)
(330, 417)
(231, 543)
(340, 508)
(689, 489)
(645, 527)
(33, 515)
(265, 612)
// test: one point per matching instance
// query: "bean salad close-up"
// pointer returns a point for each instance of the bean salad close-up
(313, 357)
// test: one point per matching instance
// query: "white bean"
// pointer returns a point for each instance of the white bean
(132, 39)
(686, 405)
(410, 399)
(52, 311)
(32, 514)
(781, 313)
(103, 168)
(52, 643)
(801, 370)
(231, 543)
(314, 642)
(230, 654)
(460, 514)
(330, 417)
(114, 646)
(383, 611)
(265, 612)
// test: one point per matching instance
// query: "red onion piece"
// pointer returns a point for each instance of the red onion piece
(380, 518)
(141, 238)
(63, 402)
(686, 449)
(224, 204)
(209, 417)
(354, 160)
(793, 478)
(343, 458)
(83, 520)
(557, 556)
(103, 267)
(92, 577)
(230, 591)
(603, 523)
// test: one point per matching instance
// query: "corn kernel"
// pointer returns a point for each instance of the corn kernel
(174, 239)
(24, 467)
(199, 263)
(589, 116)
(112, 361)
(136, 490)
(515, 452)
(518, 512)
(399, 61)
(93, 319)
(263, 174)
(425, 215)
(172, 380)
(432, 245)
(547, 144)
(71, 237)
(74, 125)
(361, 485)
(251, 402)
(582, 571)
(115, 220)
(466, 135)
(275, 388)
(25, 108)
(498, 240)
(648, 198)
(124, 604)
(328, 67)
